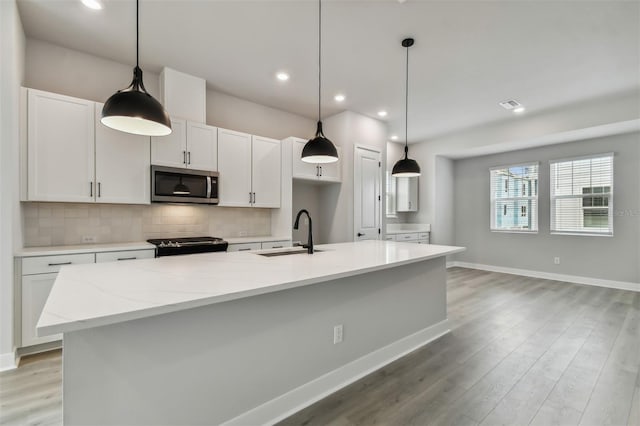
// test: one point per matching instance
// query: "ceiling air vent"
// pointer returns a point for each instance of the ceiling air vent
(510, 104)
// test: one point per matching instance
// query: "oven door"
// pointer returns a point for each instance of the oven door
(174, 185)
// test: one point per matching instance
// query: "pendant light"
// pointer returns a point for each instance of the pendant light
(406, 167)
(319, 149)
(181, 189)
(134, 110)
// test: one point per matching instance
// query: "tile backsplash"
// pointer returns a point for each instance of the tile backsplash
(53, 224)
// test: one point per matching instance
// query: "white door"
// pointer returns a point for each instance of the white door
(234, 166)
(171, 150)
(122, 165)
(265, 176)
(60, 144)
(367, 194)
(35, 291)
(202, 146)
(301, 169)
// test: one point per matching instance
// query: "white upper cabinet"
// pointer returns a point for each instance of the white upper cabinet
(60, 148)
(202, 146)
(122, 165)
(234, 166)
(250, 172)
(328, 172)
(171, 150)
(265, 172)
(190, 145)
(407, 194)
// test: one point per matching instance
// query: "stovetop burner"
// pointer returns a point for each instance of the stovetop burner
(177, 246)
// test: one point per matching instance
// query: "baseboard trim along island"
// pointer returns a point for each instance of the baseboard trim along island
(238, 338)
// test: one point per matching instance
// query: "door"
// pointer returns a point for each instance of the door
(302, 170)
(265, 172)
(122, 165)
(60, 143)
(202, 147)
(35, 291)
(171, 150)
(367, 194)
(234, 166)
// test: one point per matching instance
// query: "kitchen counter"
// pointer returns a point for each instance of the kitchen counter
(238, 338)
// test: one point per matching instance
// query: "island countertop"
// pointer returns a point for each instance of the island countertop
(93, 295)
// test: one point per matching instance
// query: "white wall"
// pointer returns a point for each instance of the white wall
(12, 45)
(348, 129)
(601, 116)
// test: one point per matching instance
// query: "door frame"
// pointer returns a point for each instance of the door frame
(378, 151)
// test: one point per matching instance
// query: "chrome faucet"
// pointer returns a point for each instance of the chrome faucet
(309, 245)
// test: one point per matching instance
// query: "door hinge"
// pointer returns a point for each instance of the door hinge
(379, 231)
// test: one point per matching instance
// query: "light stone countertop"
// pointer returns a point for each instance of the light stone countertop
(82, 248)
(92, 295)
(405, 228)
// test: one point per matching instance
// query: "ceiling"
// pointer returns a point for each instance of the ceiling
(468, 55)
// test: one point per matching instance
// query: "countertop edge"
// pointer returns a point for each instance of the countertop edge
(80, 249)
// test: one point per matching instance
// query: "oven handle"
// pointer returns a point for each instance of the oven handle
(208, 186)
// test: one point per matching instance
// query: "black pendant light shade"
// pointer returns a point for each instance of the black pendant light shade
(406, 167)
(181, 189)
(134, 110)
(319, 149)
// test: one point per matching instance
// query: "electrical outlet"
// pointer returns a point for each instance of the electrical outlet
(337, 334)
(556, 260)
(88, 238)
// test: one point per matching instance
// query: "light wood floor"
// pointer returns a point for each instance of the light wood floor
(521, 351)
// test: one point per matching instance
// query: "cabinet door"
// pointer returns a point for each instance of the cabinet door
(202, 146)
(330, 172)
(407, 194)
(171, 150)
(244, 247)
(266, 170)
(35, 291)
(234, 166)
(302, 170)
(60, 145)
(122, 165)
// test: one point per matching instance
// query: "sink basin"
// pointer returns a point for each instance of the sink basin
(287, 252)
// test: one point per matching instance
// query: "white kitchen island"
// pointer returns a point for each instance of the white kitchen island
(238, 338)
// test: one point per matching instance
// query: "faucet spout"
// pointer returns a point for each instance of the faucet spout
(309, 245)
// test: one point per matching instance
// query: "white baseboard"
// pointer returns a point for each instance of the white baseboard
(8, 361)
(295, 400)
(620, 285)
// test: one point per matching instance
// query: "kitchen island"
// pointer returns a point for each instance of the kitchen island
(238, 338)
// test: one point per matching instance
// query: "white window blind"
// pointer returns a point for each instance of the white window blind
(514, 198)
(582, 195)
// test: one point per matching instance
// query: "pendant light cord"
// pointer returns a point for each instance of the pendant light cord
(137, 34)
(406, 109)
(319, 59)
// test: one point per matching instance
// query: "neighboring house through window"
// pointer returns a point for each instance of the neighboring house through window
(514, 198)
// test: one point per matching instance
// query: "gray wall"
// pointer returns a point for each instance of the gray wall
(612, 258)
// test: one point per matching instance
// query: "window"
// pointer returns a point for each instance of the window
(514, 198)
(582, 196)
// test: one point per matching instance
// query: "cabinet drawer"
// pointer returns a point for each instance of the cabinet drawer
(115, 256)
(276, 244)
(47, 264)
(244, 247)
(406, 237)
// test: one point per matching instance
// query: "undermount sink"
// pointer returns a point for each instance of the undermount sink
(295, 250)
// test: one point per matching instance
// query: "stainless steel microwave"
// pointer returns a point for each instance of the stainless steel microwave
(175, 185)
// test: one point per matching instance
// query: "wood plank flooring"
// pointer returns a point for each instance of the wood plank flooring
(521, 351)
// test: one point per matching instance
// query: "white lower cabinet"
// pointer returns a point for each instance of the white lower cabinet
(117, 256)
(244, 247)
(35, 291)
(410, 237)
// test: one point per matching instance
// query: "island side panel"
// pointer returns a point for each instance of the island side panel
(210, 364)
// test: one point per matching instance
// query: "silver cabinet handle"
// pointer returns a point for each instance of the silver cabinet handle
(127, 258)
(244, 249)
(90, 189)
(250, 197)
(99, 189)
(254, 198)
(317, 170)
(320, 170)
(277, 247)
(189, 157)
(184, 157)
(60, 264)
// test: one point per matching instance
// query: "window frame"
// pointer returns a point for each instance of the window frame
(609, 195)
(492, 200)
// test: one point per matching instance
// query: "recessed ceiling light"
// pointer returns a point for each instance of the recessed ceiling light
(394, 137)
(382, 113)
(92, 4)
(339, 97)
(282, 76)
(518, 110)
